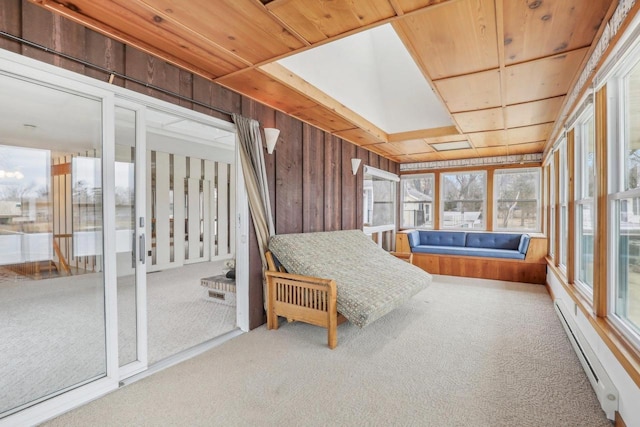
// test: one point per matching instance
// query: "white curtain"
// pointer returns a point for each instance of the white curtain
(255, 177)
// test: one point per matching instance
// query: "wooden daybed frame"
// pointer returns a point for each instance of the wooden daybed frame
(302, 298)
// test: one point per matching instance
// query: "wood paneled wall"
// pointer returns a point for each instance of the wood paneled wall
(310, 180)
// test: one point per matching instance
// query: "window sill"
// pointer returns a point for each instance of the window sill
(623, 350)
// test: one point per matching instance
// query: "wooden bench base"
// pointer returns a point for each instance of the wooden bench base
(482, 268)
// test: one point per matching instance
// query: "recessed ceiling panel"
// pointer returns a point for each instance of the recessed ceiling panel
(455, 145)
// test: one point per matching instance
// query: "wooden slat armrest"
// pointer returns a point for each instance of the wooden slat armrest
(307, 299)
(300, 278)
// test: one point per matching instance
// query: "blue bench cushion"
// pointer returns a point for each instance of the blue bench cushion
(443, 238)
(493, 240)
(524, 244)
(414, 238)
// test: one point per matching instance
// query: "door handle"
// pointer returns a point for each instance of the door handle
(142, 249)
(133, 249)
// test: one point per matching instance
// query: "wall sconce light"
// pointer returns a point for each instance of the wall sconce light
(355, 164)
(271, 137)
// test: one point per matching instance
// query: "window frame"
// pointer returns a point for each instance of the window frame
(551, 227)
(581, 196)
(403, 179)
(563, 206)
(442, 200)
(390, 228)
(538, 199)
(618, 135)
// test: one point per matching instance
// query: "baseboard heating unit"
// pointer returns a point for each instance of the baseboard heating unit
(604, 388)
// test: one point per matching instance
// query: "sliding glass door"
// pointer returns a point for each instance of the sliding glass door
(98, 187)
(52, 282)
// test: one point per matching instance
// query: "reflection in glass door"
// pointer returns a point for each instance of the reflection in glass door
(130, 246)
(52, 287)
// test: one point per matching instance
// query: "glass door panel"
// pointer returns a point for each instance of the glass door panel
(126, 260)
(52, 288)
(190, 211)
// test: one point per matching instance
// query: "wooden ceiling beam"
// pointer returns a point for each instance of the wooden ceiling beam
(396, 7)
(293, 81)
(424, 133)
(284, 24)
(499, 8)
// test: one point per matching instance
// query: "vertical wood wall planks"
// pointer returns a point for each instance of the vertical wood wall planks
(313, 179)
(332, 183)
(147, 68)
(364, 157)
(186, 88)
(55, 32)
(37, 26)
(212, 94)
(105, 52)
(288, 175)
(384, 164)
(349, 202)
(10, 23)
(373, 160)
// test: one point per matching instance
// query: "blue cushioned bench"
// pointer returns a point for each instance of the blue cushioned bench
(517, 257)
(492, 245)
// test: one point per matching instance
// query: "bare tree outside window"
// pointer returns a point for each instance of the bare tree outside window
(517, 193)
(464, 200)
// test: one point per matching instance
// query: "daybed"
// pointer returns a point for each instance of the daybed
(335, 276)
(491, 255)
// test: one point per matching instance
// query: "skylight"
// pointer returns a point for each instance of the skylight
(373, 74)
(455, 145)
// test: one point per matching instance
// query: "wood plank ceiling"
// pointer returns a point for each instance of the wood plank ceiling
(501, 67)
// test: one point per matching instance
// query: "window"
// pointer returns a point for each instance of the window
(625, 207)
(379, 195)
(417, 201)
(563, 204)
(552, 207)
(463, 198)
(379, 206)
(584, 199)
(517, 195)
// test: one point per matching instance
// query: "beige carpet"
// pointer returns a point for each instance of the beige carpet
(52, 331)
(460, 353)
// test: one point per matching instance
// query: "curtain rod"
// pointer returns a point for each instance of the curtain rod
(112, 73)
